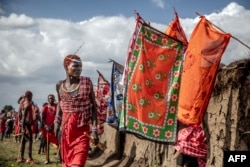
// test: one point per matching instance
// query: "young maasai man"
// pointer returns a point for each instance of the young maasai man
(48, 117)
(26, 123)
(76, 113)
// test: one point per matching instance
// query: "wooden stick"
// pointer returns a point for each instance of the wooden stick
(225, 32)
(176, 155)
(47, 145)
(58, 154)
(20, 146)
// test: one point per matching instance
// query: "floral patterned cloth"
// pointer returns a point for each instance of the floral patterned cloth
(152, 82)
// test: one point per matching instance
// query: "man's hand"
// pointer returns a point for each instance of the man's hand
(47, 127)
(94, 137)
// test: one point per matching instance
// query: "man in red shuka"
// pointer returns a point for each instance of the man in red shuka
(76, 113)
(48, 117)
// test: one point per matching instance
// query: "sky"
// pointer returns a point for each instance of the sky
(36, 35)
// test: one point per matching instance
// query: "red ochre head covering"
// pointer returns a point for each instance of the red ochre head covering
(68, 59)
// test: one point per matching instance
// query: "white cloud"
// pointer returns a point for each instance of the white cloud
(32, 50)
(16, 21)
(159, 3)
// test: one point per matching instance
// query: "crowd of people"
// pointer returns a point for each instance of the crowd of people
(30, 124)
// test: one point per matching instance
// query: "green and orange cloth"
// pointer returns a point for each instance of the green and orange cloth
(153, 71)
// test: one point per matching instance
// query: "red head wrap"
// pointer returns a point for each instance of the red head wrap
(68, 59)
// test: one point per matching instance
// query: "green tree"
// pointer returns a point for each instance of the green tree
(8, 108)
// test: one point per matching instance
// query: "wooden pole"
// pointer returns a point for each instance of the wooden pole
(225, 32)
(47, 145)
(20, 147)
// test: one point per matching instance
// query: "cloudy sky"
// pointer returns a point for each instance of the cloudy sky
(37, 34)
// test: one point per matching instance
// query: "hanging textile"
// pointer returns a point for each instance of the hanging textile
(152, 83)
(117, 88)
(102, 91)
(203, 56)
(176, 31)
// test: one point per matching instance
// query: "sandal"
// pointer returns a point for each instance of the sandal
(20, 160)
(30, 161)
(46, 162)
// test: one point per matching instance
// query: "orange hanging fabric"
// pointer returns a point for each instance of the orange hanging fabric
(176, 31)
(203, 55)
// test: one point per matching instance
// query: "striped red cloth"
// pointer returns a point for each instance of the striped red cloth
(80, 103)
(192, 141)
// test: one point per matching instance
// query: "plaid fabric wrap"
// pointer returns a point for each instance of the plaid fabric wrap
(191, 141)
(80, 103)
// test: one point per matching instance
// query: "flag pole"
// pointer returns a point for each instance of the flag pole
(225, 32)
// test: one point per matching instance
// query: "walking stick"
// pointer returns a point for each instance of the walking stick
(47, 146)
(20, 146)
(58, 154)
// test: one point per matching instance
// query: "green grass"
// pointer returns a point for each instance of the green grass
(9, 152)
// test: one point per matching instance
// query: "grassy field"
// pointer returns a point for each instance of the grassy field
(9, 152)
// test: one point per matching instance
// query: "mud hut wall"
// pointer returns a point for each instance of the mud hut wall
(148, 153)
(220, 125)
(227, 117)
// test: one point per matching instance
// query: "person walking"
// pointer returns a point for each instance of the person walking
(26, 111)
(48, 117)
(9, 125)
(76, 113)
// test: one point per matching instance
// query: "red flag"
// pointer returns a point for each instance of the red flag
(203, 55)
(176, 31)
(102, 91)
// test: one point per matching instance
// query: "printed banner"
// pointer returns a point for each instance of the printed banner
(117, 88)
(152, 84)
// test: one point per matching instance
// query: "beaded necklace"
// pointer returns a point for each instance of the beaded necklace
(72, 92)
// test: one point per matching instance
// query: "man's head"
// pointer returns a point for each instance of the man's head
(20, 99)
(73, 65)
(51, 99)
(28, 95)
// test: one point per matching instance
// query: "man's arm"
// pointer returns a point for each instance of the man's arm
(58, 118)
(43, 116)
